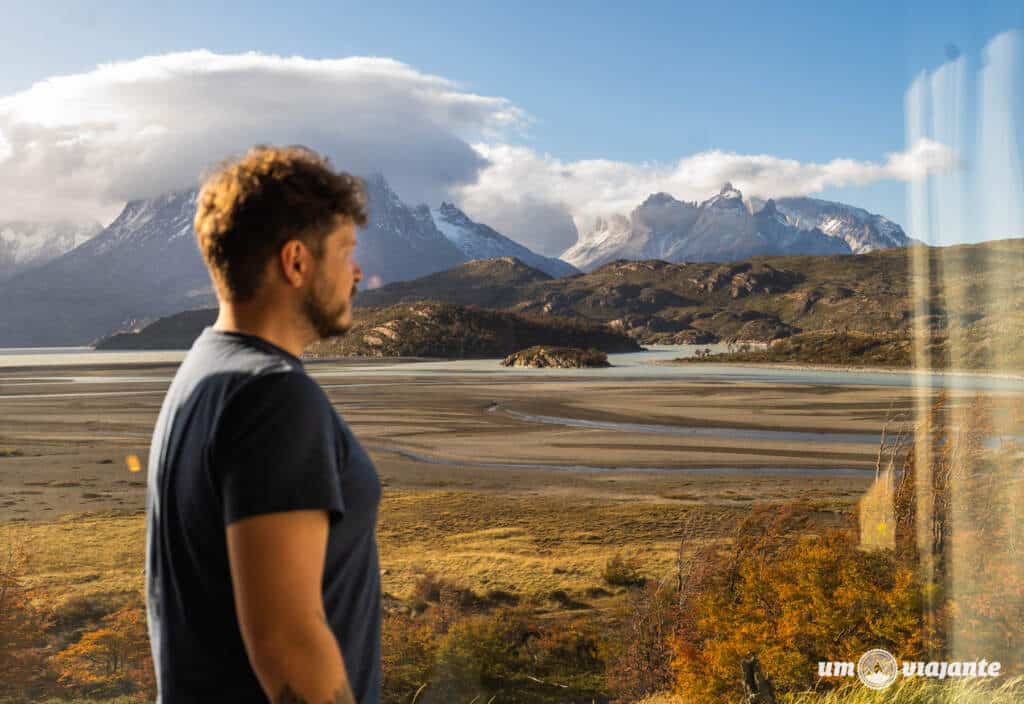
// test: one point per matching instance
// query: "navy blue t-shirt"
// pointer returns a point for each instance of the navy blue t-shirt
(245, 431)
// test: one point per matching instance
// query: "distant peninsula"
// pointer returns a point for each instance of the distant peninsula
(425, 329)
(452, 331)
(849, 348)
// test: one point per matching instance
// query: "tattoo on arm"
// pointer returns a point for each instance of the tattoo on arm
(288, 696)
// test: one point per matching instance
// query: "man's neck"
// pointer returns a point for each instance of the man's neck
(253, 318)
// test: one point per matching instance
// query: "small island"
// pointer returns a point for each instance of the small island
(541, 356)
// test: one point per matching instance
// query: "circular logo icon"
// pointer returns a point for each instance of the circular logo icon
(877, 669)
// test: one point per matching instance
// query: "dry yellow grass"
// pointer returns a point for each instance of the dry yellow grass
(527, 544)
(82, 555)
(532, 544)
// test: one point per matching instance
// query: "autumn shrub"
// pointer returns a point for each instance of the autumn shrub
(429, 588)
(510, 654)
(514, 657)
(949, 587)
(479, 656)
(791, 597)
(408, 654)
(638, 652)
(623, 572)
(69, 619)
(23, 668)
(112, 659)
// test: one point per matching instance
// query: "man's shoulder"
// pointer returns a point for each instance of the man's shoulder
(238, 377)
(282, 387)
(277, 407)
(217, 351)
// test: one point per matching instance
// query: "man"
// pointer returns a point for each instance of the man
(262, 577)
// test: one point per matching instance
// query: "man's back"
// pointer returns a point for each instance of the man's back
(244, 431)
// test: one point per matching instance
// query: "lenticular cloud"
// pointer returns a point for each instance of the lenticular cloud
(82, 143)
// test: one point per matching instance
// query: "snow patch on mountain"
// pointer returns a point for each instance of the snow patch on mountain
(478, 241)
(725, 227)
(861, 230)
(24, 245)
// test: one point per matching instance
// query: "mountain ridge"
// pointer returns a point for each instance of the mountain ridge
(725, 227)
(146, 264)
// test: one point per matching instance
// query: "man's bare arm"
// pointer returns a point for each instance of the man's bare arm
(277, 562)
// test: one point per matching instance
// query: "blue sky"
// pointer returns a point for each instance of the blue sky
(634, 82)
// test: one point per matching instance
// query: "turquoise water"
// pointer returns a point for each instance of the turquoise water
(632, 365)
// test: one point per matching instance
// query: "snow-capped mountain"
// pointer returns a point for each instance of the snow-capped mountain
(143, 265)
(652, 231)
(24, 245)
(725, 228)
(400, 242)
(146, 264)
(478, 241)
(861, 230)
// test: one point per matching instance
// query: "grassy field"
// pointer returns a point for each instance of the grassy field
(531, 547)
(546, 554)
(527, 545)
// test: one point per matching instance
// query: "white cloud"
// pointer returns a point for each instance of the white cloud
(5, 148)
(80, 145)
(599, 187)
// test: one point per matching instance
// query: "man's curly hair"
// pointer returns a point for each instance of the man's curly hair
(252, 205)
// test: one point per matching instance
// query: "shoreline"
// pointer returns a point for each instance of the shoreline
(811, 366)
(65, 455)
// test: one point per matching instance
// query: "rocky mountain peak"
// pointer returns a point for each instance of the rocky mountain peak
(658, 199)
(727, 191)
(449, 212)
(380, 192)
(479, 241)
(728, 198)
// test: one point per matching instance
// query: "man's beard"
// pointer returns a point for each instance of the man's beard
(324, 318)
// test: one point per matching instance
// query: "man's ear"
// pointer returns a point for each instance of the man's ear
(294, 260)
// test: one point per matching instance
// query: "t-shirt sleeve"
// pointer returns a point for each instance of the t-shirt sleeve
(276, 448)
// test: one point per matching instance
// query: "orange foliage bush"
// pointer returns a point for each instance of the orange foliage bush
(112, 659)
(792, 599)
(22, 629)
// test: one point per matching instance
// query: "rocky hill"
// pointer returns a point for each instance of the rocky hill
(416, 330)
(453, 331)
(175, 332)
(489, 283)
(757, 299)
